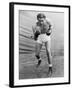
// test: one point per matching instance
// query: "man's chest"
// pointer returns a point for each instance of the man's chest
(42, 27)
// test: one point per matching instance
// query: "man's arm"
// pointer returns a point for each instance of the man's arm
(32, 36)
(50, 26)
(36, 32)
(33, 28)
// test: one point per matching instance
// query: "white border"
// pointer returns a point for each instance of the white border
(16, 46)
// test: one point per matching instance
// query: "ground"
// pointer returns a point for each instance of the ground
(28, 69)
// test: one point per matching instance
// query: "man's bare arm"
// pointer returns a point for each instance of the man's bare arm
(33, 28)
(50, 27)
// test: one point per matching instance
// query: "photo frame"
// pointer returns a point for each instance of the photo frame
(22, 61)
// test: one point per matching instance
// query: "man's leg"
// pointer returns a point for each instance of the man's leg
(48, 51)
(38, 48)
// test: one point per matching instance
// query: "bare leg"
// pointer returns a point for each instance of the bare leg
(38, 48)
(48, 51)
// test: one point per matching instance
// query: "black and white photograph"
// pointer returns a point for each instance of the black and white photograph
(41, 44)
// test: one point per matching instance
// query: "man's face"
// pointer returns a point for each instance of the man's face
(41, 20)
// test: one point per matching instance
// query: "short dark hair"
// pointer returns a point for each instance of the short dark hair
(41, 15)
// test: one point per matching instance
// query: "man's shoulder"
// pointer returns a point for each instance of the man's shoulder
(34, 25)
(48, 20)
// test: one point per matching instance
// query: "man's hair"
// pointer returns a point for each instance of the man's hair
(41, 15)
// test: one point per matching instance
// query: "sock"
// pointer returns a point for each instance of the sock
(50, 65)
(38, 57)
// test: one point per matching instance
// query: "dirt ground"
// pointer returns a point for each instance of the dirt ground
(28, 69)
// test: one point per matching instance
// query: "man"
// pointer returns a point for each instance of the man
(42, 31)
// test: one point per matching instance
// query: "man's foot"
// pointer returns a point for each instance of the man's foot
(39, 62)
(50, 72)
